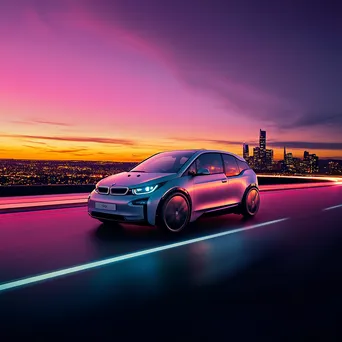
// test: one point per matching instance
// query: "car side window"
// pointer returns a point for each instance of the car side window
(210, 161)
(242, 165)
(230, 165)
(191, 169)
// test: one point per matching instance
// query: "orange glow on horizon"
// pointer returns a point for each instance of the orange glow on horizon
(51, 150)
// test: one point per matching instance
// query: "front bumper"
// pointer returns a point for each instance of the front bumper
(125, 211)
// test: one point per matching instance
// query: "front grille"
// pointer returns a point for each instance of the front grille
(103, 189)
(113, 217)
(118, 190)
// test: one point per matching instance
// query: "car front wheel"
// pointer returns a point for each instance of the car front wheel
(174, 213)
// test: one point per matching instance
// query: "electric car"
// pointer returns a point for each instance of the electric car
(171, 189)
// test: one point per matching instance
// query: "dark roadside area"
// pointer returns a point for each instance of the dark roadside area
(55, 189)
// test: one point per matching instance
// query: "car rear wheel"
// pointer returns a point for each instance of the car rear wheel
(250, 203)
(174, 214)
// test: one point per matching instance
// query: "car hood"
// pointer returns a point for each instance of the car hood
(135, 178)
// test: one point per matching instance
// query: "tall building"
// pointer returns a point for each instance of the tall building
(257, 158)
(245, 151)
(289, 162)
(299, 165)
(262, 150)
(306, 154)
(311, 162)
(284, 153)
(250, 162)
(269, 159)
(262, 140)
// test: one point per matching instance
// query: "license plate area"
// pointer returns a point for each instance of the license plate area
(105, 206)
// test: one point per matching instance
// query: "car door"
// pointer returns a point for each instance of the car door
(209, 191)
(236, 182)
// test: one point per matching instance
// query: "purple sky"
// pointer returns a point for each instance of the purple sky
(149, 74)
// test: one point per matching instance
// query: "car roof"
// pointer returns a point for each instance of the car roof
(198, 152)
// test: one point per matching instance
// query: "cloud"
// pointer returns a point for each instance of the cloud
(317, 119)
(34, 147)
(43, 122)
(35, 142)
(215, 141)
(54, 123)
(98, 140)
(259, 63)
(71, 151)
(306, 145)
(139, 155)
(270, 143)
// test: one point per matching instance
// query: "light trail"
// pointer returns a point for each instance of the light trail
(333, 207)
(76, 269)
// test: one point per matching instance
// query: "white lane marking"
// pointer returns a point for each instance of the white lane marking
(334, 207)
(76, 269)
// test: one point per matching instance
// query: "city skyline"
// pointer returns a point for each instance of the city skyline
(66, 172)
(262, 159)
(93, 81)
(41, 172)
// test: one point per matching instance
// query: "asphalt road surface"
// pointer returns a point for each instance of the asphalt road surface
(276, 277)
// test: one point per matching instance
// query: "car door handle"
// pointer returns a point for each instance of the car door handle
(224, 180)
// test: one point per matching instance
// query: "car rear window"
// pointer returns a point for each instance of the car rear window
(242, 165)
(230, 165)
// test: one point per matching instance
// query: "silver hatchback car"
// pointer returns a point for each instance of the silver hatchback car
(171, 189)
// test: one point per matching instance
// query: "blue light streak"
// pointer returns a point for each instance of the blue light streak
(334, 207)
(71, 270)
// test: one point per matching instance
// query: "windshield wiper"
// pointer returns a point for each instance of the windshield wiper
(138, 171)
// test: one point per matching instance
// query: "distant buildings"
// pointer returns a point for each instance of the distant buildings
(257, 158)
(245, 152)
(262, 140)
(289, 165)
(48, 172)
(269, 159)
(263, 160)
(311, 162)
(334, 168)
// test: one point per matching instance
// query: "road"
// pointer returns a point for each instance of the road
(276, 277)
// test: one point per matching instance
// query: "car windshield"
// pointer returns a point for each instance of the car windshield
(165, 162)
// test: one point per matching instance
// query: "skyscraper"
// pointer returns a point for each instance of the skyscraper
(262, 151)
(289, 162)
(311, 162)
(262, 140)
(269, 159)
(256, 158)
(284, 154)
(245, 151)
(306, 155)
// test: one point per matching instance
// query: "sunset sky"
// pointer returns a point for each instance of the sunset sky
(120, 80)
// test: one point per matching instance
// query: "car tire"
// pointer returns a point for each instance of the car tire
(250, 203)
(174, 213)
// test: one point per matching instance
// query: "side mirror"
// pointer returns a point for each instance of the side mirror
(203, 172)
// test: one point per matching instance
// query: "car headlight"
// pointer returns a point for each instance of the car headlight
(145, 190)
